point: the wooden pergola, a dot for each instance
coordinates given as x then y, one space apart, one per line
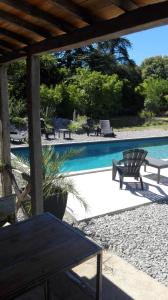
31 27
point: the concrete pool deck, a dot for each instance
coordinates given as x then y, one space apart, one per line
103 195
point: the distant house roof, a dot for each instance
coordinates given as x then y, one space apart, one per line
36 26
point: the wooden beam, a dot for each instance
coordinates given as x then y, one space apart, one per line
7 45
33 82
125 5
20 22
132 21
78 11
5 131
18 37
3 52
40 14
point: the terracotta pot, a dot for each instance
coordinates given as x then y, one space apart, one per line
56 204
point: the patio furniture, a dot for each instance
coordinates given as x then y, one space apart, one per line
36 250
46 130
18 136
89 126
7 209
156 163
106 129
130 165
64 131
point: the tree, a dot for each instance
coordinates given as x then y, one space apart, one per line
155 92
131 101
118 48
50 98
101 56
50 71
155 67
94 94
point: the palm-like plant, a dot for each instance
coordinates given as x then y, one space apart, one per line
56 185
53 180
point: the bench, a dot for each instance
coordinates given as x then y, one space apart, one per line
156 163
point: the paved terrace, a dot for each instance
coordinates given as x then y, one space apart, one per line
103 195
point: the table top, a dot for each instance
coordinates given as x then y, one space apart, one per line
155 162
33 250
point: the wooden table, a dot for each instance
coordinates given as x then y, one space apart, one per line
156 163
64 132
34 250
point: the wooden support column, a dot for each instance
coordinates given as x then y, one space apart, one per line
33 84
4 130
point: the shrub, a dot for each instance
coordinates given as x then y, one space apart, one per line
146 115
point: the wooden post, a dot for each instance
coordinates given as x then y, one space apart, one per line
4 130
33 84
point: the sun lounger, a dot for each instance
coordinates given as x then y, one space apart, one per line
156 163
106 129
18 136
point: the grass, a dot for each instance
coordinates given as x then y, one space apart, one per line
128 123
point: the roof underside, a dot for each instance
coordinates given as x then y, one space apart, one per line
35 26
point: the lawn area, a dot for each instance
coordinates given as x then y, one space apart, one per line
128 123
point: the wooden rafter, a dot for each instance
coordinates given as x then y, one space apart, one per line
125 5
40 14
2 51
20 22
139 19
76 10
7 45
15 36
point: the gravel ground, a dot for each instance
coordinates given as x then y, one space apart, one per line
140 236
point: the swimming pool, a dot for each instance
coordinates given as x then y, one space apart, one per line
100 154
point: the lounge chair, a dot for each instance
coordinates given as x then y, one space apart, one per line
156 163
18 136
106 129
46 130
130 165
89 126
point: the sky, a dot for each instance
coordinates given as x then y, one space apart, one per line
148 43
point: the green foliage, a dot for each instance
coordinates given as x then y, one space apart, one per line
77 125
146 115
101 56
18 121
94 94
155 92
50 71
155 67
80 79
50 98
53 180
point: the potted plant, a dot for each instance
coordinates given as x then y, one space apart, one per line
56 185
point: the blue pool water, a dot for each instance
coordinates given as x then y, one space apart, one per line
100 154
